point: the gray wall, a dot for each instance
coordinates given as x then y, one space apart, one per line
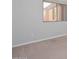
27 22
57 1
65 12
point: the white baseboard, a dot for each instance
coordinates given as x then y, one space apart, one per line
38 40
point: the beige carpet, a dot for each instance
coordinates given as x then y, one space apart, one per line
49 49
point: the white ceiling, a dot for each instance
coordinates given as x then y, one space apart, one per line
57 1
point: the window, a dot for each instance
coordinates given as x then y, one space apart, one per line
53 11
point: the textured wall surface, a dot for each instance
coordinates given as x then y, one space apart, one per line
49 49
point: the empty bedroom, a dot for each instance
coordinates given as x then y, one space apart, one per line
39 29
